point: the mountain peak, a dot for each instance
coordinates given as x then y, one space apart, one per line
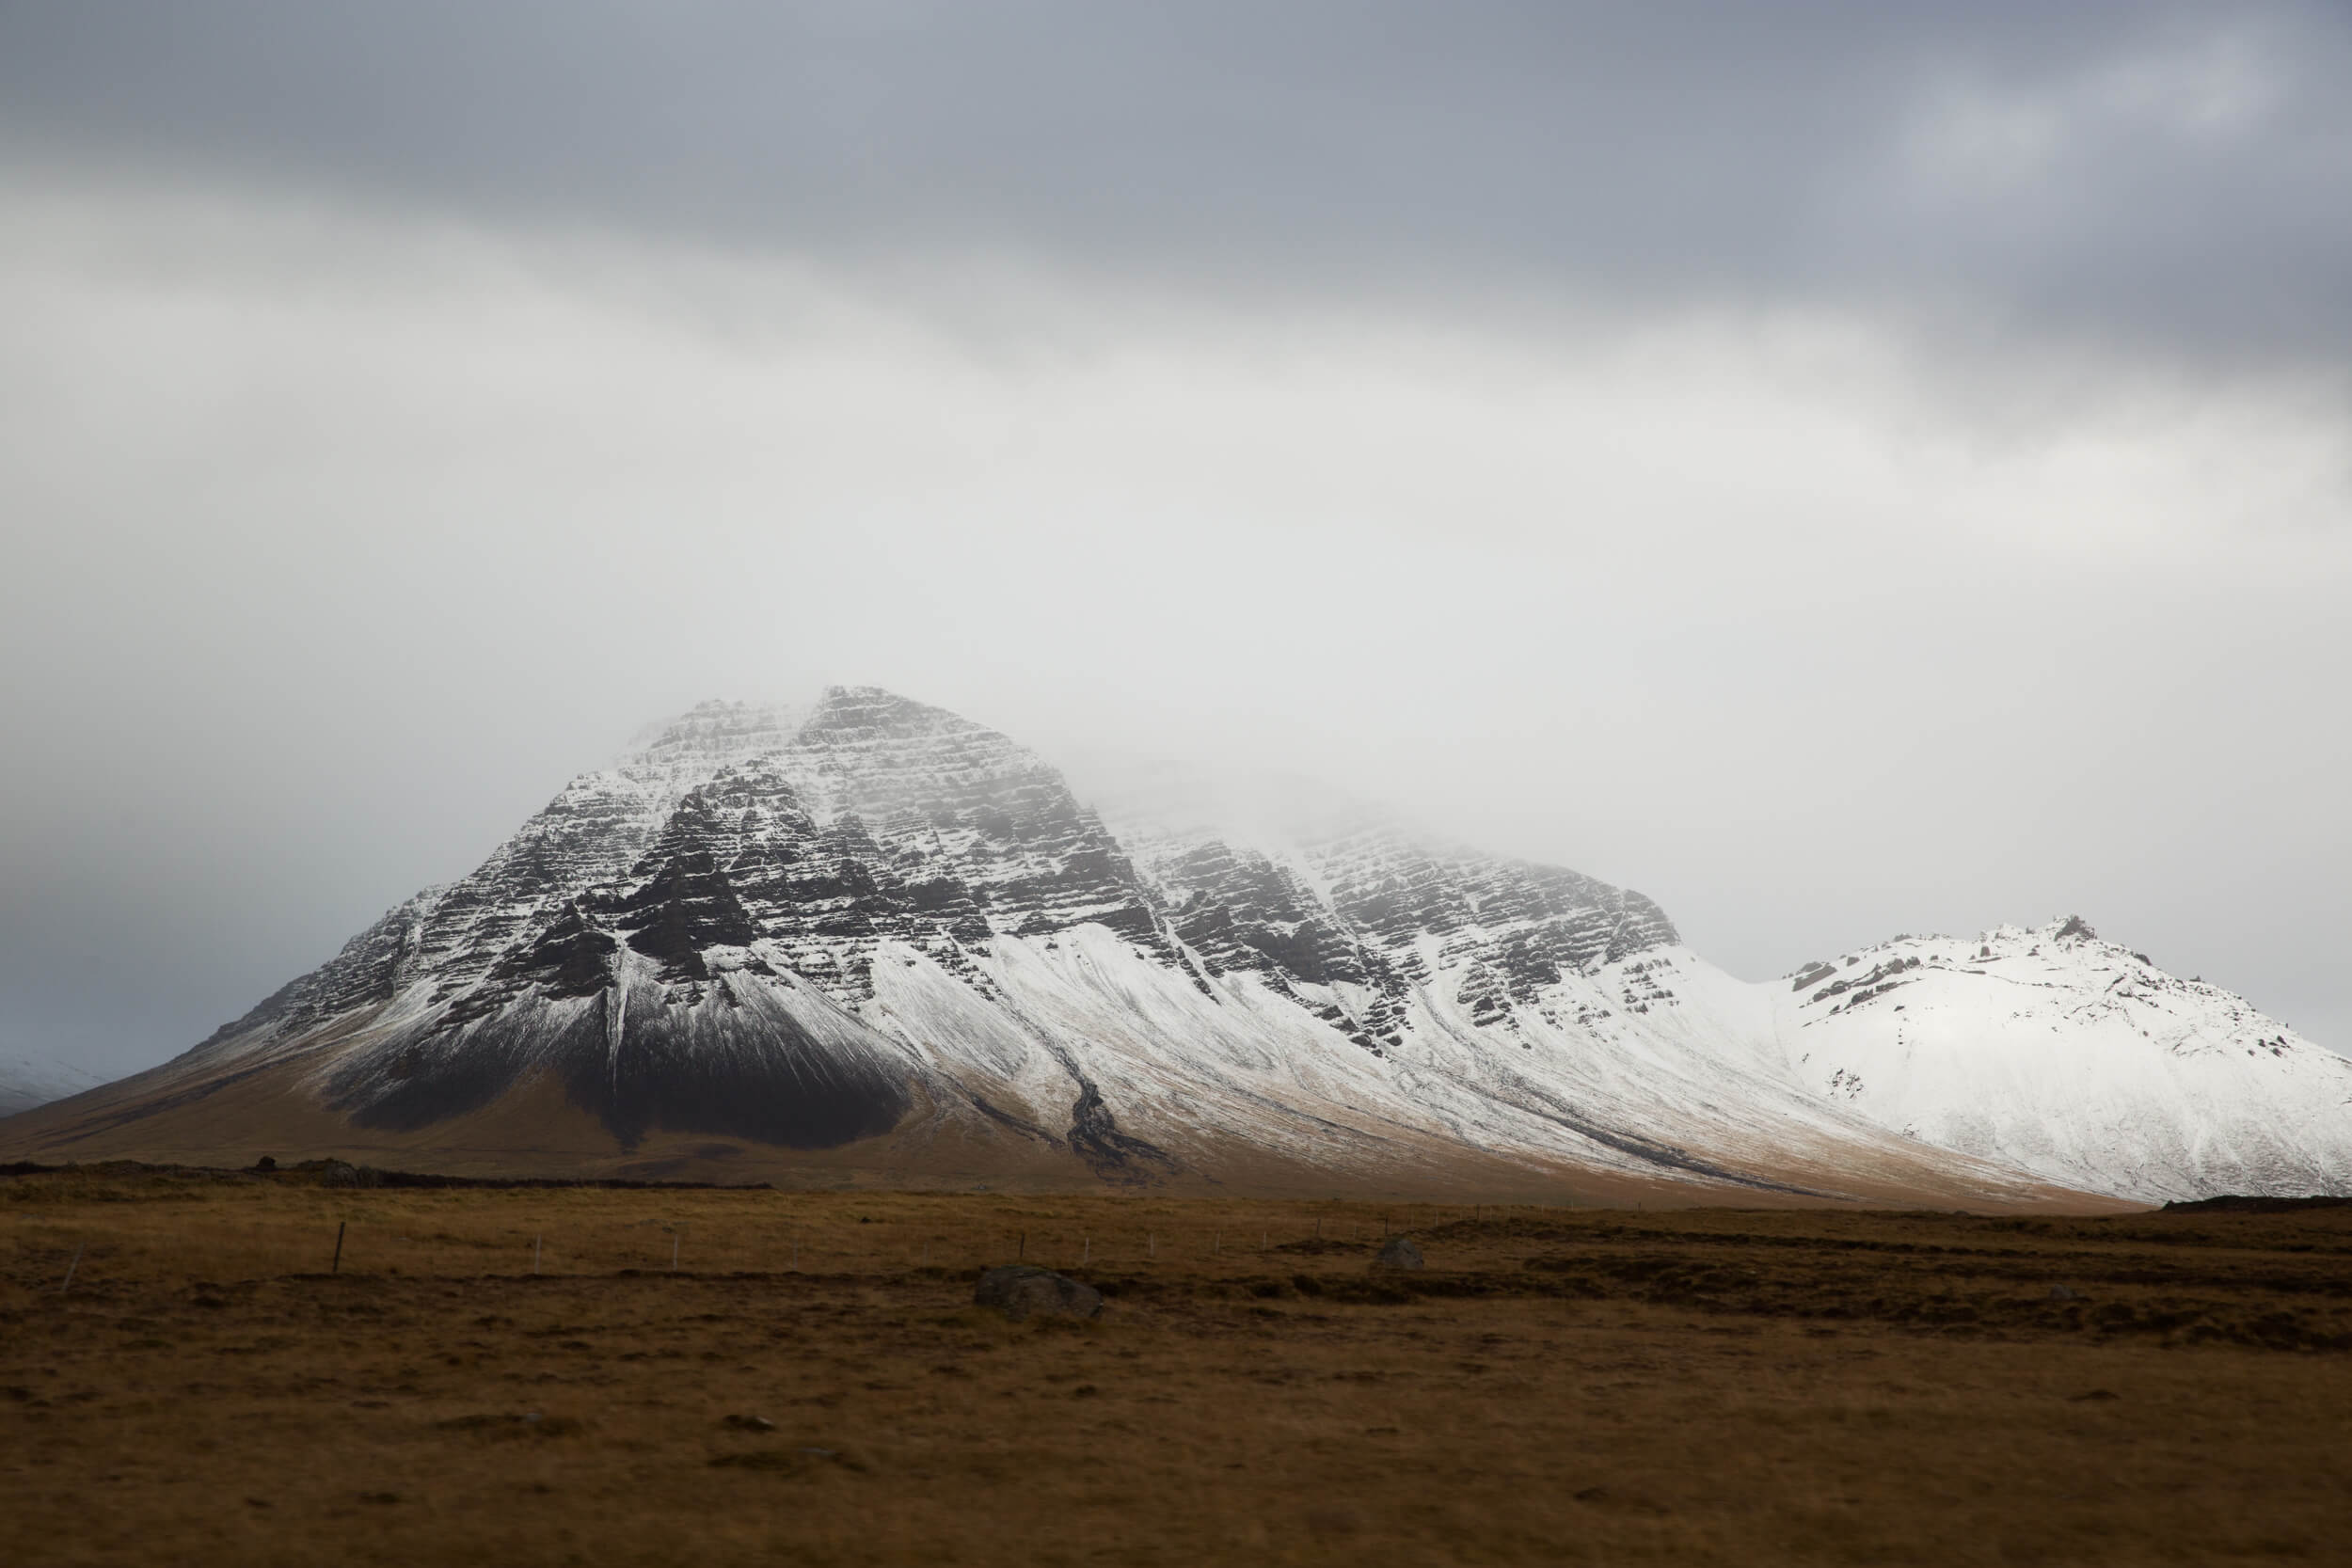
723 730
846 712
717 731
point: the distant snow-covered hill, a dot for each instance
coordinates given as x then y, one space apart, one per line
2074 1059
26 1083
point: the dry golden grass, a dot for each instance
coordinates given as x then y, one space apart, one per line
1588 1386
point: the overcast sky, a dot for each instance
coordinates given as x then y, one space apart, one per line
1840 469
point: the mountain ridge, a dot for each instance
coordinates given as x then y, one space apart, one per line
869 929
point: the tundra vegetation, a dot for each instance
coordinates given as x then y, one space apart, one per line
583 1375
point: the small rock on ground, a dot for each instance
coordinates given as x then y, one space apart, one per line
1019 1289
1398 1253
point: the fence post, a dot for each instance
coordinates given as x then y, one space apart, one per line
337 1266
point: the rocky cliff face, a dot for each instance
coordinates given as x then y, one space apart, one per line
686 937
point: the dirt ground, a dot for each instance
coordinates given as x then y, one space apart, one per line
810 1383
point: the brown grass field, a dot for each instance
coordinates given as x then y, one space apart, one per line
811 1384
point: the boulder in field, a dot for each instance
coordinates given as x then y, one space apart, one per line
1398 1252
1020 1289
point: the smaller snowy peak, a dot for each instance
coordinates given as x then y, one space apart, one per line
2077 1058
2066 955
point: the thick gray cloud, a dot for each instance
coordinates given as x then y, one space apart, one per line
1839 469
2161 176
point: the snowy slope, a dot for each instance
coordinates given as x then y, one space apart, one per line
2074 1059
26 1083
1523 1006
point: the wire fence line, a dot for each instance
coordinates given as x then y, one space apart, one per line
372 1238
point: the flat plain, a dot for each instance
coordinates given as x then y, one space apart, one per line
581 1375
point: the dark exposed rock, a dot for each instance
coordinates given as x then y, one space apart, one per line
571 957
1019 1124
1812 975
687 906
743 1072
708 1065
1114 1155
1021 1291
1398 1252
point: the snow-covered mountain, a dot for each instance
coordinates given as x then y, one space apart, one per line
871 937
26 1083
2075 1059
